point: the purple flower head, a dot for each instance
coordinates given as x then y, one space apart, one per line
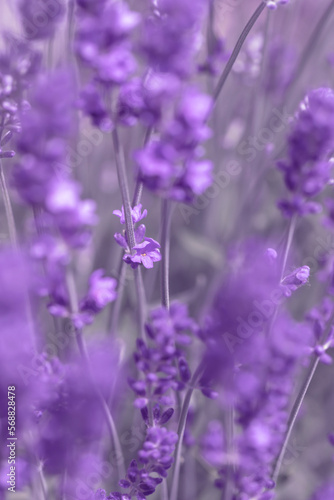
174 324
295 280
136 213
156 457
171 166
18 66
92 104
298 205
40 18
115 67
160 89
145 253
102 291
307 170
42 142
102 42
312 134
73 216
158 447
197 178
131 104
168 38
162 359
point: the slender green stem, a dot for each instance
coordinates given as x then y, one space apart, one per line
237 48
299 401
166 214
8 208
180 431
84 354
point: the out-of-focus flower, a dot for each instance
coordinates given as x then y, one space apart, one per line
307 169
91 103
102 42
168 39
102 291
172 166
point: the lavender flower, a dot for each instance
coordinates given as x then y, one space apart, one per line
156 457
168 36
146 250
171 166
168 332
307 171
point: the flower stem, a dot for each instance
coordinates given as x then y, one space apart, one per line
8 208
180 431
116 310
291 232
141 301
84 354
166 214
139 185
123 184
298 403
230 63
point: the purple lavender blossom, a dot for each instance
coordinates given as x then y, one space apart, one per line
169 333
308 170
156 457
168 36
172 166
146 251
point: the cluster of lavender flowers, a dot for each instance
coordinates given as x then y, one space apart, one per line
166 260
